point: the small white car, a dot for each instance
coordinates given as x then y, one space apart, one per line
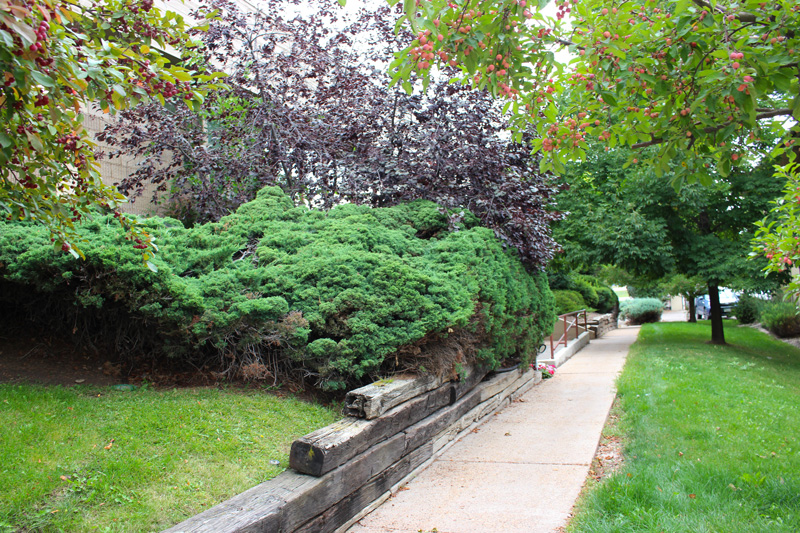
727 299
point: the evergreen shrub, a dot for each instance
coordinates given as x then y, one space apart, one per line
781 318
595 294
588 292
641 310
339 297
607 299
568 301
746 309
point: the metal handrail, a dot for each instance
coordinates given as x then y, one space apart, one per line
570 320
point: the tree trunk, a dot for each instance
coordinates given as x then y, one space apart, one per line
717 333
692 310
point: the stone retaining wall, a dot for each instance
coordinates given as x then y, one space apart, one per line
602 324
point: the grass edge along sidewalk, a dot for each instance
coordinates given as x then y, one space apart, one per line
712 436
98 459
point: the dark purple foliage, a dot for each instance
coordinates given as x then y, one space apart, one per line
306 110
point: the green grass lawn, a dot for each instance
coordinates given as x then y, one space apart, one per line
621 292
99 459
711 436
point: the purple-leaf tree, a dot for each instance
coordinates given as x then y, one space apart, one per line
308 108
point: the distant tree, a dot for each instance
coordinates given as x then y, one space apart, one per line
698 231
310 111
688 287
58 59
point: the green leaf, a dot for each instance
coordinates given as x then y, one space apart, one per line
5 140
399 24
43 79
114 73
7 38
724 167
341 3
796 107
23 30
609 98
471 62
410 7
181 75
35 141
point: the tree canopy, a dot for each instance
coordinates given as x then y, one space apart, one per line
314 115
697 78
59 58
652 230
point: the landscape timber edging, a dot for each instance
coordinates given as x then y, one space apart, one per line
294 501
327 448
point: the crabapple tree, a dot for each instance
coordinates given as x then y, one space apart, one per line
702 82
699 78
59 57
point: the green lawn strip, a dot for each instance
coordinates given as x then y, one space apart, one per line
172 453
711 436
621 292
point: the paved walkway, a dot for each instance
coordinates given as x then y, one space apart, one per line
523 469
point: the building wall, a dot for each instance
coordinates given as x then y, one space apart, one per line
115 170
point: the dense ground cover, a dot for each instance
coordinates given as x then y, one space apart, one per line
335 298
100 459
712 436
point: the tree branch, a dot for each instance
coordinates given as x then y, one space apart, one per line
711 129
741 17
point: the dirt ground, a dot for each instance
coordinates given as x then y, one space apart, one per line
27 356
52 361
48 359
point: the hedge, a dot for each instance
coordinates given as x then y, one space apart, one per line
641 310
594 294
340 297
568 301
781 318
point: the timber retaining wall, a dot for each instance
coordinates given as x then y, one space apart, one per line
396 428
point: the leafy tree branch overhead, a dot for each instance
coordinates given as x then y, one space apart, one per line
690 77
59 58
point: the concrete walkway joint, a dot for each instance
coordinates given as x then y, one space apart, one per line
523 469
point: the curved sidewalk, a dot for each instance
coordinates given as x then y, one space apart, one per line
522 470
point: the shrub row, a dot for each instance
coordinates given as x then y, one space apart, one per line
781 318
778 316
641 310
574 291
339 296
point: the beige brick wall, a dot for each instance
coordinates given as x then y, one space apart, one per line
115 170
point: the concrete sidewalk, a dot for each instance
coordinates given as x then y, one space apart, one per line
523 469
